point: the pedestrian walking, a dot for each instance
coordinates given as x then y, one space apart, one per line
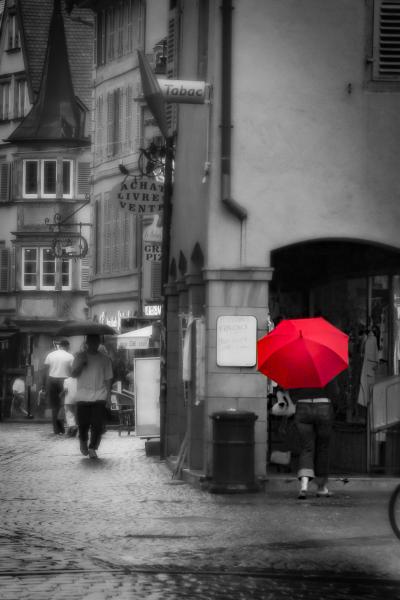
68 396
313 418
18 397
93 371
57 367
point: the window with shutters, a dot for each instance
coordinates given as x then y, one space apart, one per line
118 30
114 122
84 272
4 181
39 270
47 178
155 282
4 268
386 41
115 239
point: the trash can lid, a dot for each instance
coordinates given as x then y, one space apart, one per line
234 415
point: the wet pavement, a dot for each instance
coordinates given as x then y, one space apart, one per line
120 527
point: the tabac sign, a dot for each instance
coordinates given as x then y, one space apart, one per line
187 92
140 195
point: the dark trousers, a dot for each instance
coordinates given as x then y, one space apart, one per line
314 424
91 417
55 386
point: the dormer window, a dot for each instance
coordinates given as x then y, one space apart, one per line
13 37
47 178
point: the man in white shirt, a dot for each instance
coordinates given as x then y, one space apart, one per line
57 366
93 370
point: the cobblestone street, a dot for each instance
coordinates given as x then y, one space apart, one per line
120 527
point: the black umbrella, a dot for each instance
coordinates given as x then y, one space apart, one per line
85 328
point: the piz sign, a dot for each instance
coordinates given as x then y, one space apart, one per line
140 195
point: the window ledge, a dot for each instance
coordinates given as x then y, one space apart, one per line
13 50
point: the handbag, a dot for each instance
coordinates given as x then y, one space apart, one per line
283 406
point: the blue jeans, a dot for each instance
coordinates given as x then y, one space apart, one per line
314 424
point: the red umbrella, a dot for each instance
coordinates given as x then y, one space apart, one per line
303 353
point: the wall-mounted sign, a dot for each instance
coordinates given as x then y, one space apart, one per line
236 341
140 195
152 310
187 92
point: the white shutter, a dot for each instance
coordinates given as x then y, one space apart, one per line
4 269
4 181
83 178
84 279
386 51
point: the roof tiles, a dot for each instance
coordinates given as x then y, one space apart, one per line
79 29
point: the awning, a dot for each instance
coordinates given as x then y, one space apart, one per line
135 340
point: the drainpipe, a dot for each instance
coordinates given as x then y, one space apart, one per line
226 114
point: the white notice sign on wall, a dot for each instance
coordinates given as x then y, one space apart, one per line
236 341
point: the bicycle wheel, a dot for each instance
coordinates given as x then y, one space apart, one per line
394 510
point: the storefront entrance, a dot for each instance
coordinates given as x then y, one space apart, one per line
355 286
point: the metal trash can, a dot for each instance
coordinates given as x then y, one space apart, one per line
233 452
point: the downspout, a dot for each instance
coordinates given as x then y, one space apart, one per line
226 114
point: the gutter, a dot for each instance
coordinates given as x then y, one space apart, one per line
226 114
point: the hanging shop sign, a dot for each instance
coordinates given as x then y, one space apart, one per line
187 92
140 195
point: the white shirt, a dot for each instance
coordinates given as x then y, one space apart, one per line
91 383
59 362
70 388
18 386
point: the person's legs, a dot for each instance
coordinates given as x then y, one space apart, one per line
83 415
96 425
54 389
323 429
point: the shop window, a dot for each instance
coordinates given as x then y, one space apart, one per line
39 270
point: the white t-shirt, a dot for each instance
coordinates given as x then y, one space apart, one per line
91 383
59 362
18 386
70 387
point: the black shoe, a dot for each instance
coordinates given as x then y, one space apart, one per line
83 448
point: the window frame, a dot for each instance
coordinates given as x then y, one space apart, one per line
23 273
40 178
40 273
24 192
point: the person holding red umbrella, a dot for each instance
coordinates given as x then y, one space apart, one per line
303 356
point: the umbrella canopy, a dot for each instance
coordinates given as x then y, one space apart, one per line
303 353
85 328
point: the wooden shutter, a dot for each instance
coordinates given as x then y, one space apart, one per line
386 51
155 282
4 269
4 181
84 279
110 123
83 178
